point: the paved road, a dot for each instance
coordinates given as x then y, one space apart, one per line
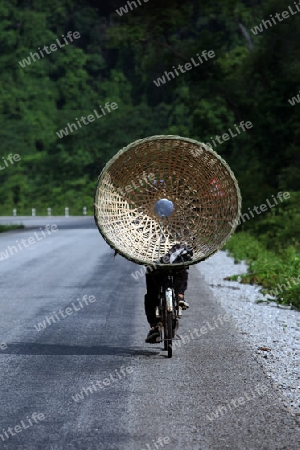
91 377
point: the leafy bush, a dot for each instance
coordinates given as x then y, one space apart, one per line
4 228
267 268
280 227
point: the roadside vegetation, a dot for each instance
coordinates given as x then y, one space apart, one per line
4 228
119 58
271 247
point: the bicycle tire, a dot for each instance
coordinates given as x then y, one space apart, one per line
170 333
165 343
165 332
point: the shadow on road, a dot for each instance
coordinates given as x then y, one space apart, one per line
24 348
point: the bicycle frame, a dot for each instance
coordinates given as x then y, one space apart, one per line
169 311
169 299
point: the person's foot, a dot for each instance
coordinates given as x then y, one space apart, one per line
182 303
153 336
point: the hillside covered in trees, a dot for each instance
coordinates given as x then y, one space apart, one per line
81 79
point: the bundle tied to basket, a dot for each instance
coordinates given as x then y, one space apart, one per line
189 175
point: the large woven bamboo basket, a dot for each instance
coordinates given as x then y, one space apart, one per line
203 189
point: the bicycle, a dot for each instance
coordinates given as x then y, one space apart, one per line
168 312
142 223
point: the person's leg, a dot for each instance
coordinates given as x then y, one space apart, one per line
180 281
153 281
180 286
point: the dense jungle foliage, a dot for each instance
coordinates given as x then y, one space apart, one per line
117 58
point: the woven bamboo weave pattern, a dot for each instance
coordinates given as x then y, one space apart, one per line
199 182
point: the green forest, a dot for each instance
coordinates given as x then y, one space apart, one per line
63 60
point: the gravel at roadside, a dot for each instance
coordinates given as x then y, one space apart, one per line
271 331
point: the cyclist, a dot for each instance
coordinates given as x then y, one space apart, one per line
178 253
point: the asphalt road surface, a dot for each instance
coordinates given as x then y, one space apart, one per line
75 372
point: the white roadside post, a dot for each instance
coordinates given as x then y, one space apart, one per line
14 212
66 212
49 211
33 212
84 210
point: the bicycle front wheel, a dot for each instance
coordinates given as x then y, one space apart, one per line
165 327
169 333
